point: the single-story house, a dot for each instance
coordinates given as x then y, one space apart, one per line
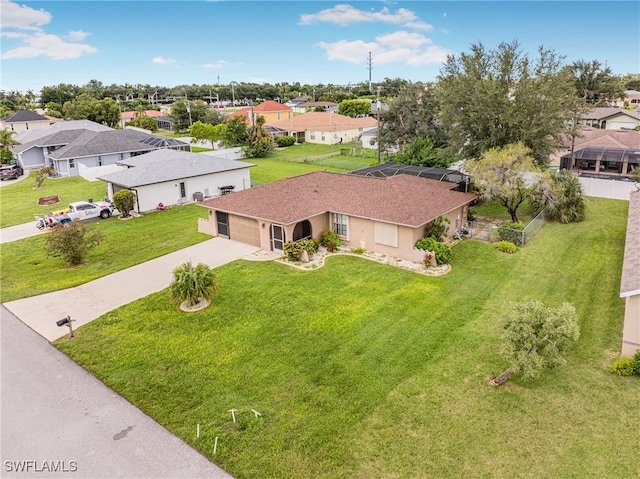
631 97
383 215
611 118
24 120
76 151
271 110
327 106
598 151
173 177
630 283
127 116
326 128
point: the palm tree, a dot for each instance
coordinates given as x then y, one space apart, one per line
6 140
193 285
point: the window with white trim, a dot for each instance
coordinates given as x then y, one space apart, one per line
312 135
340 224
386 234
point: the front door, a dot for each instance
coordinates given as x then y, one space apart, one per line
222 220
277 238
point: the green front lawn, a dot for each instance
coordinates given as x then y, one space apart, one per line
20 200
28 271
361 370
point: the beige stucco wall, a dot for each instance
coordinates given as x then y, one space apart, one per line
21 126
631 329
271 117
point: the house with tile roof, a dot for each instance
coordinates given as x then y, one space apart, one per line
611 118
271 110
326 128
383 215
601 151
173 177
24 120
630 282
83 148
126 116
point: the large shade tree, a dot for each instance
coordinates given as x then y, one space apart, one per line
596 84
411 116
493 98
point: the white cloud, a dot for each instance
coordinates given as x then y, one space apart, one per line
344 15
77 35
35 41
42 44
13 15
397 47
163 61
217 64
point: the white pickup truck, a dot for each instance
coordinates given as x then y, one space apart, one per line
80 210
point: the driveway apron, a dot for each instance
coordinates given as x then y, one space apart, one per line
91 300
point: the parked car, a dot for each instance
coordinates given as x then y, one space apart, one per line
11 172
80 210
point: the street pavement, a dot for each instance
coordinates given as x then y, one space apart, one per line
57 416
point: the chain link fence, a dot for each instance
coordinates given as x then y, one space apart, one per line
493 231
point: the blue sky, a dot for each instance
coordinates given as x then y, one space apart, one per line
170 43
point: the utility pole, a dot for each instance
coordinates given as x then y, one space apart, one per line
378 117
370 66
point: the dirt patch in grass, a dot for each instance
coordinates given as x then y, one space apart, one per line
48 200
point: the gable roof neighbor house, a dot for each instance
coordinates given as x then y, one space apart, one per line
24 120
326 128
271 110
174 177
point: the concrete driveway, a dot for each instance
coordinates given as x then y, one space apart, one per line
91 300
55 414
18 232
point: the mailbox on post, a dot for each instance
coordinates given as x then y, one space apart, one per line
67 322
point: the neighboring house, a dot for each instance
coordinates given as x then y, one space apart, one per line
632 98
24 120
271 110
78 152
369 138
174 177
598 151
611 118
127 116
297 101
326 128
328 106
630 283
383 215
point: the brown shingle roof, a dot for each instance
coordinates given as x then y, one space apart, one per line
322 121
596 137
602 112
402 199
630 283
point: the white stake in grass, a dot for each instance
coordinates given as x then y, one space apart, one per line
215 445
198 431
256 413
233 414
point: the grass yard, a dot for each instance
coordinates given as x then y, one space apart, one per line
20 200
28 271
268 169
361 370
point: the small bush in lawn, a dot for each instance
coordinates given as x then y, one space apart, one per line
442 251
511 232
358 251
438 228
329 239
623 367
283 141
72 242
506 247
